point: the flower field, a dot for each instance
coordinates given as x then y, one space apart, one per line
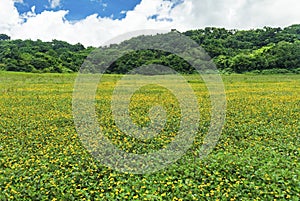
256 158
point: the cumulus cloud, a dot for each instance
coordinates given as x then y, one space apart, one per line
9 16
241 14
54 3
92 30
149 14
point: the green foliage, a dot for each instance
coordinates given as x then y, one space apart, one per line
4 37
38 56
275 71
256 158
239 50
244 51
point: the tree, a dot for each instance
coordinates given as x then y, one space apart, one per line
4 37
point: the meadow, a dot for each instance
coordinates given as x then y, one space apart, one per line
256 158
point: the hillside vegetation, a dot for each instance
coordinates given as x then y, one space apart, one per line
267 50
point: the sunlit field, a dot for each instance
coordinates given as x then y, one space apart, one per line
257 156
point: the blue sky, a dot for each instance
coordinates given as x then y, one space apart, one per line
80 9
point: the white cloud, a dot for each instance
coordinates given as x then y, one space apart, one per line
191 14
237 13
18 1
9 16
92 30
54 3
33 9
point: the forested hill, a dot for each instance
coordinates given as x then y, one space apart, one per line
258 50
38 56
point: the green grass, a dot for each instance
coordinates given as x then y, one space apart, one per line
256 158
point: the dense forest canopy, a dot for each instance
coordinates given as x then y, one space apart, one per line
256 50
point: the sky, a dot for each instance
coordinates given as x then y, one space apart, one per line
94 22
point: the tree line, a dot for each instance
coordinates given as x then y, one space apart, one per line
256 50
38 56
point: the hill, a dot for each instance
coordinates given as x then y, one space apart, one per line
257 50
